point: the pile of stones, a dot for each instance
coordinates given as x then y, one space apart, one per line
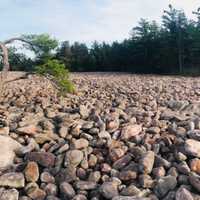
121 137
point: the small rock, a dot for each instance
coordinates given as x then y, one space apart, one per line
24 198
192 147
112 126
116 153
159 172
84 112
63 149
106 168
130 198
85 185
32 172
153 130
183 168
127 175
45 159
171 195
34 192
63 131
195 181
32 145
11 194
52 198
131 190
87 125
80 143
46 177
4 131
81 173
180 156
7 151
183 179
94 176
80 197
13 180
67 191
183 194
28 130
147 162
104 135
122 162
161 162
92 160
74 157
51 189
130 131
108 190
66 175
164 185
42 138
146 181
195 165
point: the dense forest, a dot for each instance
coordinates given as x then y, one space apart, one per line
170 47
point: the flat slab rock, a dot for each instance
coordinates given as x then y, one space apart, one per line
7 151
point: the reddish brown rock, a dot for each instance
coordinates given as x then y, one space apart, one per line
32 172
44 159
28 130
195 165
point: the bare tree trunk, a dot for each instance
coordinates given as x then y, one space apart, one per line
6 65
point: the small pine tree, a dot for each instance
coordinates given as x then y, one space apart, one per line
57 72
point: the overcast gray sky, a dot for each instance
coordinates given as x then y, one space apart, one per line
82 20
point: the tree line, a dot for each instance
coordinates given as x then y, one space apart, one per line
170 47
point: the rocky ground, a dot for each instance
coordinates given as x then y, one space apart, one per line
121 137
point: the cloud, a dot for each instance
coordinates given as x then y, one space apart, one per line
82 20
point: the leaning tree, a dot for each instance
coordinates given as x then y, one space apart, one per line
41 45
4 48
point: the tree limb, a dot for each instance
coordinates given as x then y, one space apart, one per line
6 65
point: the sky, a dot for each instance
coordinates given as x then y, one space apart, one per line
82 20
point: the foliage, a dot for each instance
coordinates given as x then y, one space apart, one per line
42 45
172 47
19 61
57 72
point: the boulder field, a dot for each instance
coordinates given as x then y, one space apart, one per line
120 137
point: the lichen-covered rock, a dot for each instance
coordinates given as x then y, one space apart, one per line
13 180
